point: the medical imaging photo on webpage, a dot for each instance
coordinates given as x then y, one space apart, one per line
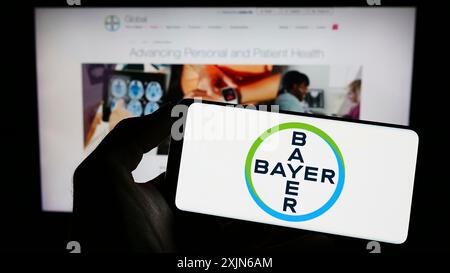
112 92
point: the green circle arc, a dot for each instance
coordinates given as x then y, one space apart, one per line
327 139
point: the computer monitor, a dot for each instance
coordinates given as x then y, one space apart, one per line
96 66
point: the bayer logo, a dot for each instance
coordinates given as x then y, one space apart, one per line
112 23
301 179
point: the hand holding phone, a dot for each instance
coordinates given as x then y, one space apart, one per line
321 174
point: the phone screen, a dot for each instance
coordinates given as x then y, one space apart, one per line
298 171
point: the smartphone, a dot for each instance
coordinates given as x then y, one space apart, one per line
301 171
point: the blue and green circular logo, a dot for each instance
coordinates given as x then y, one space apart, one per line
112 23
319 185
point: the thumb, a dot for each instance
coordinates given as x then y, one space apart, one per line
133 137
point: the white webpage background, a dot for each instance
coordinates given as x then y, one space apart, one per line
375 202
379 39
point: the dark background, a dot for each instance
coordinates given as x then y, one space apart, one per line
25 228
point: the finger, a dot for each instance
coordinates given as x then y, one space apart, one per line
216 91
196 93
154 128
133 137
206 85
229 81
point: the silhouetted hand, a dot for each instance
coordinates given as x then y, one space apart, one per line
111 211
